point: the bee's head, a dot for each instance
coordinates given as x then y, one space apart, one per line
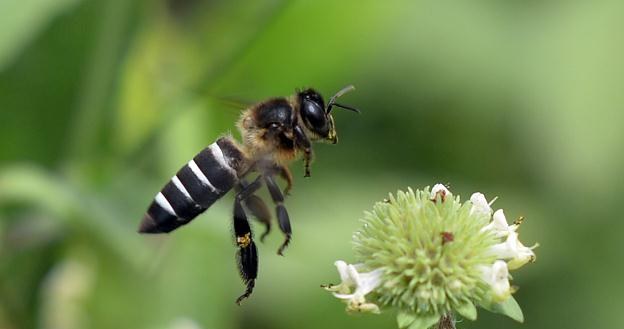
316 117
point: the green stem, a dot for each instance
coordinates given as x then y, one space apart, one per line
94 96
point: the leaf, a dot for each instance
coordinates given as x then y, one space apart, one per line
33 185
22 21
467 310
509 308
404 319
424 321
71 205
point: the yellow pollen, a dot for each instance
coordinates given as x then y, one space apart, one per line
243 241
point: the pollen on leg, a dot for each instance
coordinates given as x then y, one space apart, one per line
243 241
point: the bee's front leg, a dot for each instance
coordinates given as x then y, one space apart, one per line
286 175
303 142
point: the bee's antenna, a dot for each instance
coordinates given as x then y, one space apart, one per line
346 107
332 101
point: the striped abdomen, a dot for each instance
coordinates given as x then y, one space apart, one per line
201 182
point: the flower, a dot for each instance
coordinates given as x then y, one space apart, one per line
480 204
497 276
363 283
514 251
428 255
441 190
499 225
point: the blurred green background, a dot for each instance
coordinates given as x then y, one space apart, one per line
102 101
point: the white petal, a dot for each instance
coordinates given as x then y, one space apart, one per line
499 219
513 250
497 276
369 281
480 204
441 189
343 272
364 283
499 225
364 307
346 277
344 296
354 276
524 255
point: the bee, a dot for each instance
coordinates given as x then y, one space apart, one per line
274 133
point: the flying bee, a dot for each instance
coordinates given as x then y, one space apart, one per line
274 133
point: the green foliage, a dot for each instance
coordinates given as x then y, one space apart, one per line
468 310
410 321
23 20
509 308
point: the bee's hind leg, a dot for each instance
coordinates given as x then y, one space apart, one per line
247 254
280 211
261 212
258 209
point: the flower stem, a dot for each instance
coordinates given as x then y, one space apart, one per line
446 322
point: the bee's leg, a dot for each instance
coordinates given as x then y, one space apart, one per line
257 207
247 254
261 212
280 210
304 143
285 174
245 189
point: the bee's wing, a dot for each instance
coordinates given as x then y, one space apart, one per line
232 102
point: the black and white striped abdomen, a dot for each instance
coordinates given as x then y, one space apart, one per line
195 187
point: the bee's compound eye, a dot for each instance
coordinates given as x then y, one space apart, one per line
274 125
313 113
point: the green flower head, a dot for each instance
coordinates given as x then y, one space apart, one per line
428 255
